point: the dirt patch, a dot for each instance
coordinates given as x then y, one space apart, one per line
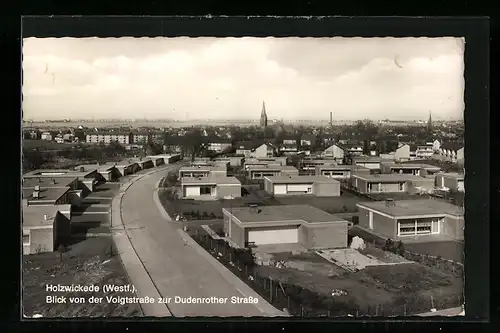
90 262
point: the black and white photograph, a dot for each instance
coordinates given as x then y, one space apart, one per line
243 177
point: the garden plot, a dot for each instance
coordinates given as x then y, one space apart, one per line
353 260
303 261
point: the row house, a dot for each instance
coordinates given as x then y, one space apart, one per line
251 149
106 138
219 144
451 152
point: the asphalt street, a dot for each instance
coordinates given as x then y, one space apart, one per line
176 268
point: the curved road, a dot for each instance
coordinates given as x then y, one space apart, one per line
175 267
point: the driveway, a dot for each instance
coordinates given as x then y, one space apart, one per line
175 267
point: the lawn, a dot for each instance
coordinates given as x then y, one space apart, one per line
211 208
451 250
346 203
86 263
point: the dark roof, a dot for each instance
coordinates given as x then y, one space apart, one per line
247 145
402 208
308 137
306 213
215 139
175 140
452 146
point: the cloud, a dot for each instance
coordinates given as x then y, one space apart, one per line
228 78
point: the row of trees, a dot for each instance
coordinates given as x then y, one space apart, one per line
38 158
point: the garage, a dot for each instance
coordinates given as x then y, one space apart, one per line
274 235
299 188
192 191
279 189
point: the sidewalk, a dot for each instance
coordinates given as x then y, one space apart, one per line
451 312
225 273
137 274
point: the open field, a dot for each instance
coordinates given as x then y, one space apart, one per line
86 263
44 144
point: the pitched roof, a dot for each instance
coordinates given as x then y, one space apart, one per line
248 145
452 146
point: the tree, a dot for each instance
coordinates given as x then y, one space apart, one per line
400 248
61 249
33 159
389 243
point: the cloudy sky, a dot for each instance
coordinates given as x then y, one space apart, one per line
228 78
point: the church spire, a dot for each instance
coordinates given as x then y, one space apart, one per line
263 116
429 122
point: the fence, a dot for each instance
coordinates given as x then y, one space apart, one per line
454 267
299 301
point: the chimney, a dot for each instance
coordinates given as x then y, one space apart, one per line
37 188
389 202
254 208
82 169
45 217
36 194
54 181
331 118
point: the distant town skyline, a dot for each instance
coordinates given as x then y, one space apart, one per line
229 78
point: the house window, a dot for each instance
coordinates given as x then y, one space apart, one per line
418 227
205 190
424 227
406 228
309 189
26 239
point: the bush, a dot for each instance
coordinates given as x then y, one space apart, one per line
212 215
400 248
389 243
204 216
